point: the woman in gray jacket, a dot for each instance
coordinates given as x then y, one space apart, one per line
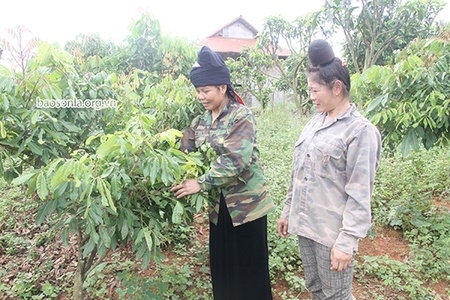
334 164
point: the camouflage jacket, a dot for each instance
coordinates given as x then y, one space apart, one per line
236 172
332 179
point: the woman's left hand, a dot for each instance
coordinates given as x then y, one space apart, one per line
187 187
340 260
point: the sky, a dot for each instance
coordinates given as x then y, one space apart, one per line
60 21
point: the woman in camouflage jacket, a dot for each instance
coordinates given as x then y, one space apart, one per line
238 219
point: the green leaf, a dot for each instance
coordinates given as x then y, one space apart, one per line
91 138
104 235
23 178
88 247
409 142
34 117
41 185
36 149
170 136
102 192
116 187
108 196
2 130
148 239
101 251
108 147
139 237
199 202
107 172
124 229
154 170
177 213
166 176
46 209
376 102
62 174
65 236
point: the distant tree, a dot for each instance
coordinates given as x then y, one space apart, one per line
148 49
91 53
21 46
250 74
277 34
374 29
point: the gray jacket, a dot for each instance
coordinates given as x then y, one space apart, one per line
332 179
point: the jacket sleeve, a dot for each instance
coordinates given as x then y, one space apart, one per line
235 154
188 138
287 201
362 161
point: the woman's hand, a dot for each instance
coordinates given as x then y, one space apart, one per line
340 260
283 227
187 187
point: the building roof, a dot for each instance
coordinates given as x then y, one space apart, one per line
223 44
238 19
230 43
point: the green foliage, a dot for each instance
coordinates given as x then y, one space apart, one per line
20 248
393 274
93 54
250 75
186 278
35 133
121 192
405 198
149 50
410 100
104 175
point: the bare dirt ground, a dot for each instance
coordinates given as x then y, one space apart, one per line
384 241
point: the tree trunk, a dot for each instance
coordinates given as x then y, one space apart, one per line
78 278
78 282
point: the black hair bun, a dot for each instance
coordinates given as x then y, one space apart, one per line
320 53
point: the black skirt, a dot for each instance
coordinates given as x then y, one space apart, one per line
239 258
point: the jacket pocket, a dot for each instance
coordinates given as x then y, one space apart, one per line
330 158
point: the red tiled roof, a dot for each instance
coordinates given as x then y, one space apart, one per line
222 44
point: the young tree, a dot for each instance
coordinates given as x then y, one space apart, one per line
410 100
278 33
374 29
250 73
148 49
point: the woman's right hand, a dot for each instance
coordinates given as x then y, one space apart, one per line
283 227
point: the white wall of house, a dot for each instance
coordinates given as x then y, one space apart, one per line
237 30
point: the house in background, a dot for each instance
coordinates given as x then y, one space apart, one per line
229 42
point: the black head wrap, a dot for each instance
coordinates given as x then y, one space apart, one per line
210 69
320 53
